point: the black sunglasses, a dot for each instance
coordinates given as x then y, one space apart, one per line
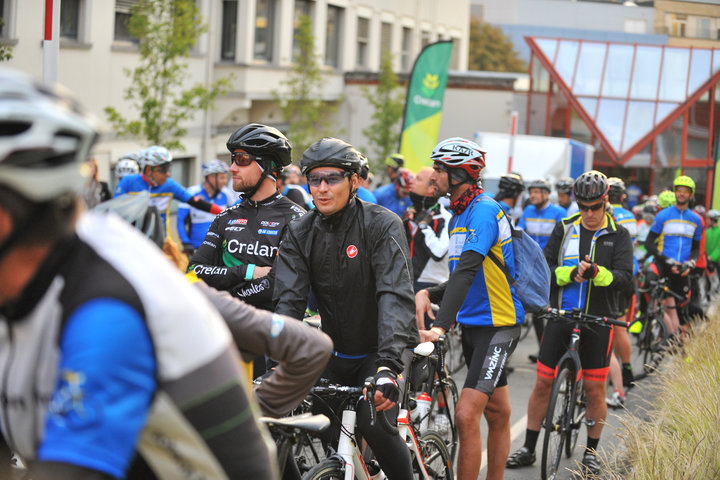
332 178
594 207
243 159
164 168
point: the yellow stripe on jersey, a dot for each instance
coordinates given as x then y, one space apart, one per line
498 290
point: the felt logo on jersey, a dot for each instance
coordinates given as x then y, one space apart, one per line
352 251
238 221
265 231
266 223
234 229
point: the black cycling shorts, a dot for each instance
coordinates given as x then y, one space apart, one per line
595 347
487 350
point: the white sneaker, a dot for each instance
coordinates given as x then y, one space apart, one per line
16 462
616 400
442 423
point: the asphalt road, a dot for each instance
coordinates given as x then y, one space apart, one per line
521 382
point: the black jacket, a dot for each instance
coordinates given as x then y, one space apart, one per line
613 250
358 264
245 234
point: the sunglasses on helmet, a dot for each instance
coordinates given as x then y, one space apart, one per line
243 159
591 208
332 178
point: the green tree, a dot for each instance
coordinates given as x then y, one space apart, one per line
5 50
166 31
388 104
308 116
491 50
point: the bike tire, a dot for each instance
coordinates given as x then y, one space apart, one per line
527 326
578 405
328 469
454 358
556 424
449 435
655 341
435 457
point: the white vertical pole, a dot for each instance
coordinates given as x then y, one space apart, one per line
51 43
513 130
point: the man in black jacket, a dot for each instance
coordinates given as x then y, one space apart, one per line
591 261
355 257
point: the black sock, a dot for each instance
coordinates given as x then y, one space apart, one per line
592 443
627 366
531 438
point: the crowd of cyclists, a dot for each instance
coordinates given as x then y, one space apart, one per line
116 364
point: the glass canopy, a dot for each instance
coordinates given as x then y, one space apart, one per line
627 93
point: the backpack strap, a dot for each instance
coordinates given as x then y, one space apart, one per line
514 234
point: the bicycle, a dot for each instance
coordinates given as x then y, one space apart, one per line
428 452
429 376
566 408
292 432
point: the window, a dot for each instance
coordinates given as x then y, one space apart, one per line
363 34
70 19
385 38
302 7
424 38
229 30
264 30
3 16
122 17
332 38
405 54
703 28
678 24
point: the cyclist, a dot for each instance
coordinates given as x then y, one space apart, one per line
355 257
426 227
113 351
621 342
293 191
365 180
712 239
666 198
677 230
538 220
127 165
479 297
564 195
590 258
242 242
396 196
212 190
510 187
155 178
393 163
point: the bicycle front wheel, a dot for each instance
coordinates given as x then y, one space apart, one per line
435 457
578 404
454 358
655 341
557 423
328 469
442 419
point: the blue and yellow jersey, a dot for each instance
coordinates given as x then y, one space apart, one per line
160 196
491 300
676 230
200 221
539 224
626 218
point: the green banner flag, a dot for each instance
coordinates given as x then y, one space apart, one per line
424 103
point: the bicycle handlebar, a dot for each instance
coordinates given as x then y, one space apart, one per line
577 315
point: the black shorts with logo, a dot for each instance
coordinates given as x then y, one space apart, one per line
487 350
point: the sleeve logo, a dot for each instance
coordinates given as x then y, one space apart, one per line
352 251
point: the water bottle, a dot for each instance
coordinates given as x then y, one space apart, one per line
423 409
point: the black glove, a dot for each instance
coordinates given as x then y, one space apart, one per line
423 216
591 271
573 272
386 383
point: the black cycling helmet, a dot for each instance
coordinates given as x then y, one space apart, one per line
616 189
511 183
540 183
590 186
565 185
332 152
265 142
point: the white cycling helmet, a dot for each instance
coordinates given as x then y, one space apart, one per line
457 152
127 165
714 215
154 156
214 166
45 137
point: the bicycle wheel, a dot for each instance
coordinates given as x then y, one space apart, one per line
527 326
578 405
435 457
556 424
442 416
308 452
655 341
454 358
330 468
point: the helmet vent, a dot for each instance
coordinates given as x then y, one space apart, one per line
9 129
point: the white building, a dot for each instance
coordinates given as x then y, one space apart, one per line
252 39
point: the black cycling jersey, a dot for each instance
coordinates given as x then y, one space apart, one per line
245 235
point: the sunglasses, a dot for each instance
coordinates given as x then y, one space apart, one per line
243 159
332 178
591 208
162 168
